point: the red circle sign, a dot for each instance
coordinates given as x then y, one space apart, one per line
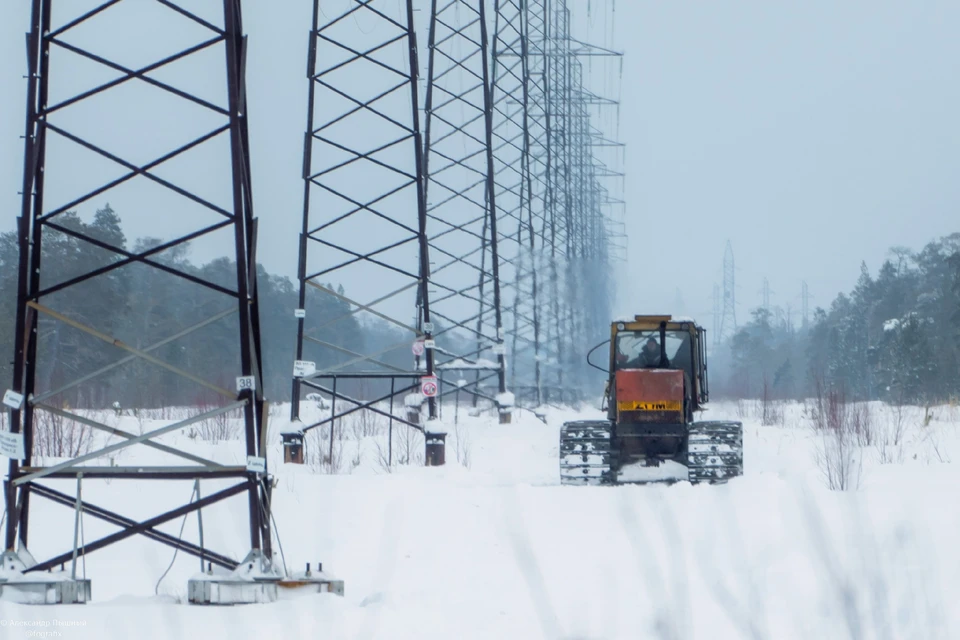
428 387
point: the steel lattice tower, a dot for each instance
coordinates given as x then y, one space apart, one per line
558 196
112 131
464 232
716 315
519 207
364 219
543 166
579 229
728 321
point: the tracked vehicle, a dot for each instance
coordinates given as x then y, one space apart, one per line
657 382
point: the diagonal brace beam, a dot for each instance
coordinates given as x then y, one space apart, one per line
132 441
141 527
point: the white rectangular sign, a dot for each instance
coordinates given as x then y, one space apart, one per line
257 465
246 383
299 313
11 445
13 399
303 368
430 344
499 349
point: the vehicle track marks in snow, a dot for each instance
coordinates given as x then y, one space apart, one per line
666 620
394 522
516 531
747 613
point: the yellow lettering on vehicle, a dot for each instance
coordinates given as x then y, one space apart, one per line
634 405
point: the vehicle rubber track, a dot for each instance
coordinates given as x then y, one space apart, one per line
715 451
586 453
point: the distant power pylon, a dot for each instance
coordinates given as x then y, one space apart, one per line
716 314
805 305
766 295
728 320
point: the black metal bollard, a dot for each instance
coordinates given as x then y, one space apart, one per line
435 455
293 448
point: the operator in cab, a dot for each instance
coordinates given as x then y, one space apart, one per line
647 358
650 355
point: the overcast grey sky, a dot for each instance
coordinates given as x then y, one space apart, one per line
812 135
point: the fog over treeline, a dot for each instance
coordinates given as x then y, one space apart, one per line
895 337
142 305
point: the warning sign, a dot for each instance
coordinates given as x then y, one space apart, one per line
418 348
11 445
428 386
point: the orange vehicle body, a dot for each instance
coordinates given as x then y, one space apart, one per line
649 395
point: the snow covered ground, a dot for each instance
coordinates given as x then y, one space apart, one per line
490 546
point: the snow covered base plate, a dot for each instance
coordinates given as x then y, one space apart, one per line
317 582
45 591
52 587
253 581
226 591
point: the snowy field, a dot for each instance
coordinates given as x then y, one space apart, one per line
490 546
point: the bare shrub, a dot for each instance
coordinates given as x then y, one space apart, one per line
890 440
952 410
219 428
167 413
357 455
365 424
323 453
771 411
927 415
829 409
396 446
56 437
837 455
409 447
931 438
461 446
383 452
839 459
861 422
